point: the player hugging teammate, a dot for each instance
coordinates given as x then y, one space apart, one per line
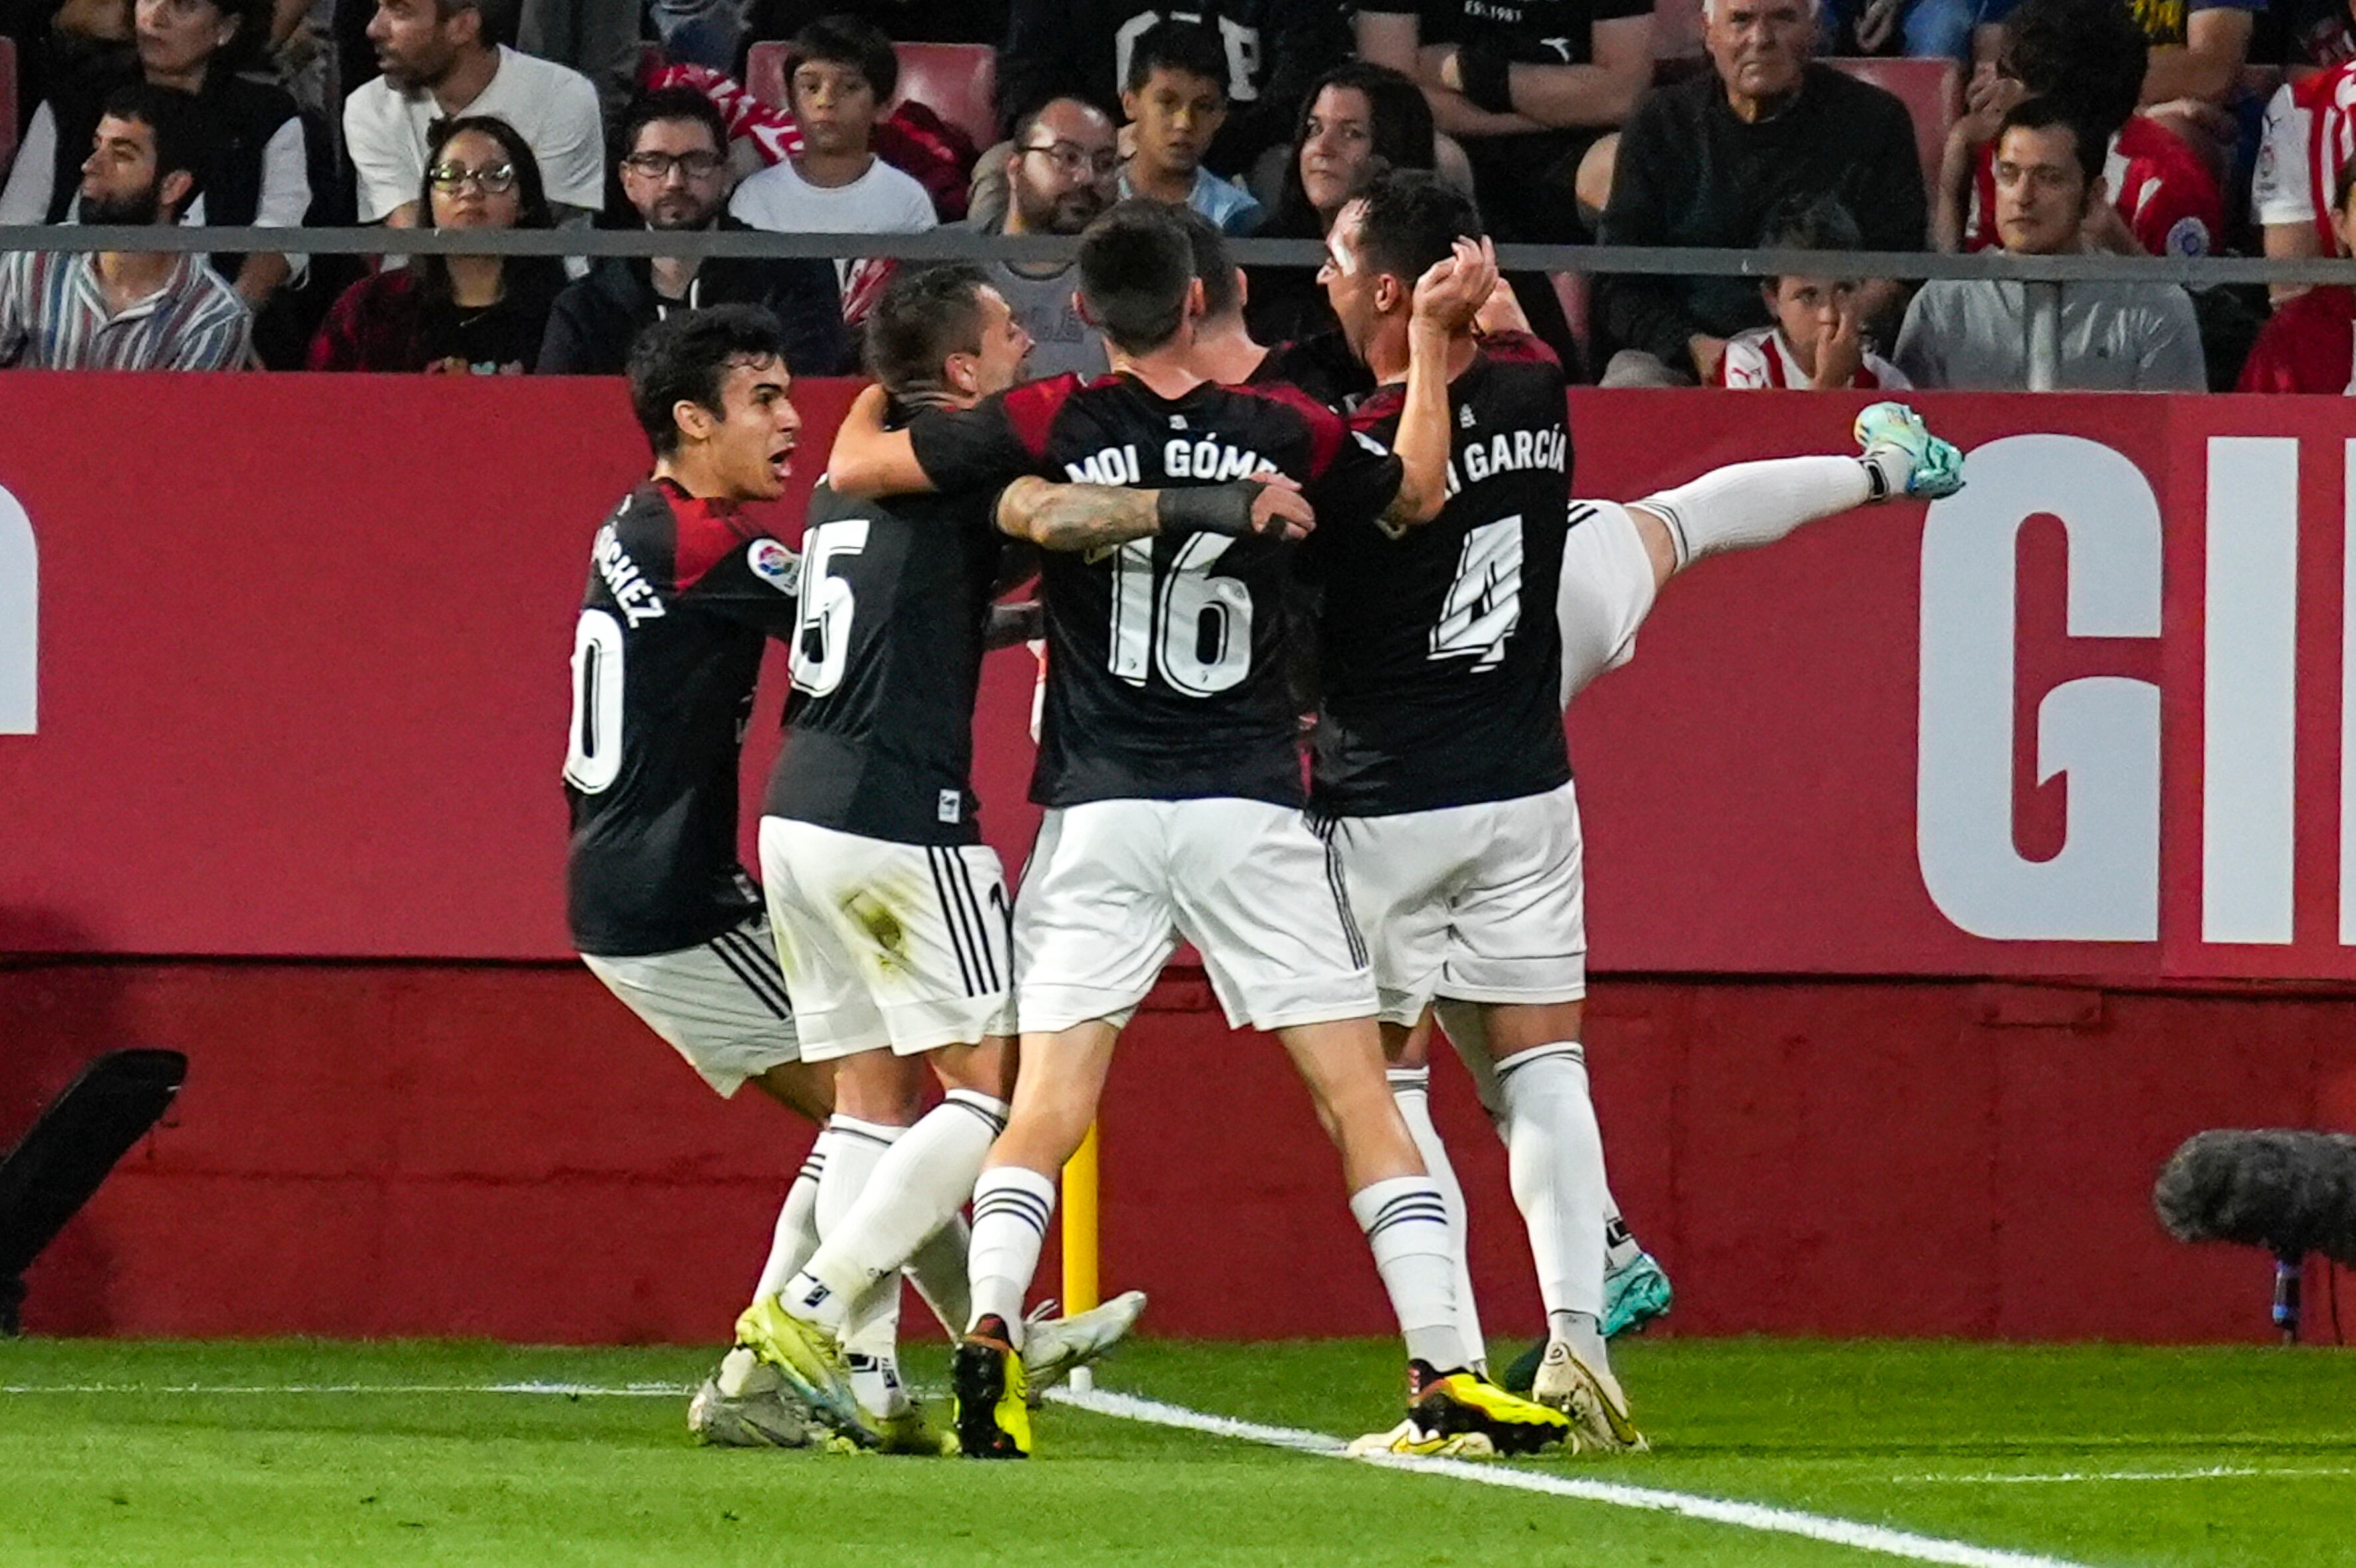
1171 515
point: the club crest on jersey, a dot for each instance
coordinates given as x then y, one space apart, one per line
775 565
633 594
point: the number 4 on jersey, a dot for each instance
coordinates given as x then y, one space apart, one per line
1484 602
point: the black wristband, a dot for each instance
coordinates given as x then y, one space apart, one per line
1207 509
1488 74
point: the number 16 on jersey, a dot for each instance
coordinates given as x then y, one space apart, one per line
1177 617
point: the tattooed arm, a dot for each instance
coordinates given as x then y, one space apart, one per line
1081 518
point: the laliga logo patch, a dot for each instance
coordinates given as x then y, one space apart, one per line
2188 237
775 565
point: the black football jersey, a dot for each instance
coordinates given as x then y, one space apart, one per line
1441 659
886 662
1165 663
683 594
1321 366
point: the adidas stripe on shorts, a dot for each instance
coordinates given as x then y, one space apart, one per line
723 1006
885 944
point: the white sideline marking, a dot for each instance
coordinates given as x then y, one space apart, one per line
2207 1473
1652 1499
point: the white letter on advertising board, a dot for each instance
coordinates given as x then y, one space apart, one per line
2250 703
2103 731
20 602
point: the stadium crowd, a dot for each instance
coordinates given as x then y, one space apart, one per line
2163 127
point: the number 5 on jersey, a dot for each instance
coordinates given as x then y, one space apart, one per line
1195 627
822 634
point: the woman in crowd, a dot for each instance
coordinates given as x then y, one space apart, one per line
1357 120
458 315
256 169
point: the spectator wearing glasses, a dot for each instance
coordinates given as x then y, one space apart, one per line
1061 171
838 75
456 315
1267 54
1176 100
1972 334
127 310
675 173
253 153
447 58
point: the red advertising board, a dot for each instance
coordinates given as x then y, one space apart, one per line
296 684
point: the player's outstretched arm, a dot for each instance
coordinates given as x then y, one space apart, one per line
869 460
1081 518
1446 298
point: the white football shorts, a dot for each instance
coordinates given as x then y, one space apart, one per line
1607 591
1113 886
1484 903
723 1006
887 944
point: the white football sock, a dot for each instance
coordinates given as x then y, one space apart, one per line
1411 1088
921 1180
1555 1151
1406 1222
871 1344
1619 1247
796 1236
1745 505
1011 1206
938 1271
853 1149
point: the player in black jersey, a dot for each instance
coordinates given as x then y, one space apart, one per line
891 914
1441 756
1167 766
684 590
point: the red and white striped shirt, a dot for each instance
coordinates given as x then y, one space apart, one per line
2308 347
2167 198
2311 133
1763 357
54 316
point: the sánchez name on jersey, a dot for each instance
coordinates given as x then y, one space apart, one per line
886 662
1441 654
1166 676
682 596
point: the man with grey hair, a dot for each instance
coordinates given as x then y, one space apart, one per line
1703 163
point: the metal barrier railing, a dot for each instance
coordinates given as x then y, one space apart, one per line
2043 277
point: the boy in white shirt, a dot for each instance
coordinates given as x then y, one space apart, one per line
839 74
1818 341
445 57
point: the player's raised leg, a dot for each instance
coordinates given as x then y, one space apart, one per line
1618 559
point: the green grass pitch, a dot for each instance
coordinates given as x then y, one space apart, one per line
118 1453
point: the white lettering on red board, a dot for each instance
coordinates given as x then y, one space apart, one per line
20 604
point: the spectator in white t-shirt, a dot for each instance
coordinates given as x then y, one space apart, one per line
840 72
447 58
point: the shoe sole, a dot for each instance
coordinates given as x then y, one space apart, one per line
1601 1429
1645 1298
977 1378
